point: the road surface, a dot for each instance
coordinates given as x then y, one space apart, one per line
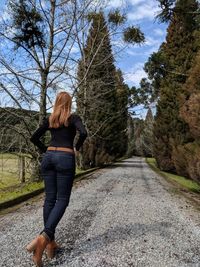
124 215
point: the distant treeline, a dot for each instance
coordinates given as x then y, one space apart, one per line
174 83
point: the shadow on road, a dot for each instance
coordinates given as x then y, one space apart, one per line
118 233
128 164
131 161
125 165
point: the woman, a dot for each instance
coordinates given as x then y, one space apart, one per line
57 169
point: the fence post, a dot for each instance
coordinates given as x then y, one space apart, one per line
22 168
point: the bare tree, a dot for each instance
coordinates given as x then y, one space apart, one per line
41 42
37 61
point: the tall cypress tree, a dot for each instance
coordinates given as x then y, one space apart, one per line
97 96
147 135
186 156
121 124
179 51
102 96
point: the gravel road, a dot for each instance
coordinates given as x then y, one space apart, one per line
124 215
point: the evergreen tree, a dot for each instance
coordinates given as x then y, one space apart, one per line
140 136
102 96
186 156
171 7
147 136
190 107
179 51
121 136
138 127
130 136
96 97
155 67
28 24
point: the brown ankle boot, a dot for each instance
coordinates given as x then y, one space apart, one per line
31 246
42 241
50 249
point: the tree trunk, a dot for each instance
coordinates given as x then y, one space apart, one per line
35 162
43 94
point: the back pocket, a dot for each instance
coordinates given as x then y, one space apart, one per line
65 162
46 163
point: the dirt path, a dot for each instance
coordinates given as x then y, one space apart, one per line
121 216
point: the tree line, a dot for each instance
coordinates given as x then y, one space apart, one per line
173 84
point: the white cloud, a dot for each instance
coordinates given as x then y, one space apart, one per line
152 50
151 45
43 3
144 11
159 32
115 3
120 3
133 52
152 42
135 75
4 16
75 49
136 2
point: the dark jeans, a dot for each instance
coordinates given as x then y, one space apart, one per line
58 171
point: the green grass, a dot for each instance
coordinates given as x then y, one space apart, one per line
79 171
15 191
10 185
20 190
183 181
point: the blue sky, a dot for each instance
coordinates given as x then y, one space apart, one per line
140 13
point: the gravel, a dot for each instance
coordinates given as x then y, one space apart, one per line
124 215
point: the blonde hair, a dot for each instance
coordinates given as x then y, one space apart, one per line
61 110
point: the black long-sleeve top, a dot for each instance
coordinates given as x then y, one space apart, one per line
62 136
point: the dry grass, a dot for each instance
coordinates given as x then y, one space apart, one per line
8 170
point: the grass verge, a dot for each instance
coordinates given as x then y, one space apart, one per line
18 193
179 180
19 190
